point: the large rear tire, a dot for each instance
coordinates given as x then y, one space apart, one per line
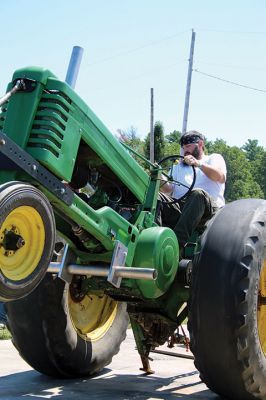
227 310
64 337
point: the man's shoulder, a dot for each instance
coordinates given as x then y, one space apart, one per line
213 158
216 159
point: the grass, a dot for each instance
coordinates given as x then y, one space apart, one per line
4 333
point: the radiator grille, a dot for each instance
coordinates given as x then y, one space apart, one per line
50 122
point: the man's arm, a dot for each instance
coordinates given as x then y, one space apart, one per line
165 187
211 171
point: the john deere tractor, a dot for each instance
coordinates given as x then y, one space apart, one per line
80 251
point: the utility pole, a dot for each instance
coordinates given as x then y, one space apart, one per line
189 75
152 130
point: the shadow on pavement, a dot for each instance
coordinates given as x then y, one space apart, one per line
107 385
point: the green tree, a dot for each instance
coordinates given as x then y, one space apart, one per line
172 145
252 149
240 181
256 156
218 146
159 142
130 138
173 137
258 170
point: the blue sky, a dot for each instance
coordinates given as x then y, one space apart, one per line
132 45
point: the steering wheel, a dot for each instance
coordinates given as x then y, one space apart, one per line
167 163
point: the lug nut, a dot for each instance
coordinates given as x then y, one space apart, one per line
20 243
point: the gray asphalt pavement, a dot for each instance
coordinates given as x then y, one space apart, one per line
174 378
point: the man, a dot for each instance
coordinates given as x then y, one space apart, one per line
187 215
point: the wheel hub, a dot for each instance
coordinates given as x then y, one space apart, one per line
12 241
75 289
92 316
22 239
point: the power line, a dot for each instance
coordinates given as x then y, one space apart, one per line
136 77
124 53
249 67
232 31
227 81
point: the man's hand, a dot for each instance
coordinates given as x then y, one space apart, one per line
190 160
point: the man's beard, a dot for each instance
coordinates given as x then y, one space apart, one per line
195 153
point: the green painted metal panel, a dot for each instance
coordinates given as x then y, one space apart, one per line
103 143
50 122
157 247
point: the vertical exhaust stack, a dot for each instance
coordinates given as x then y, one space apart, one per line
73 66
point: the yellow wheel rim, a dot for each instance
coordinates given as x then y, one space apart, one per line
262 308
27 223
93 316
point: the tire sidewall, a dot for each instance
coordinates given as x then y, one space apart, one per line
60 351
223 303
14 196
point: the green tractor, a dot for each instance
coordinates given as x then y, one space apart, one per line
81 252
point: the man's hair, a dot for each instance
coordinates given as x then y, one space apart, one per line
191 137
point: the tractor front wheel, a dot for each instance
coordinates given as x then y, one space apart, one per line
27 236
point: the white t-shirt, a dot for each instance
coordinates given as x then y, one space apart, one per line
183 173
